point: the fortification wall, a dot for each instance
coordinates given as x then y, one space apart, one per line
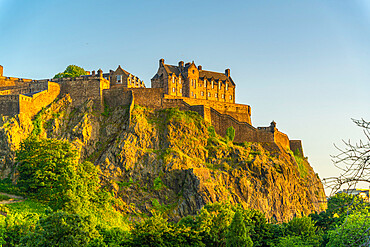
81 89
9 105
13 82
243 131
31 104
296 145
14 91
240 112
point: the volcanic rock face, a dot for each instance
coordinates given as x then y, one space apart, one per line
172 160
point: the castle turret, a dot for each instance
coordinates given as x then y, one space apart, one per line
1 70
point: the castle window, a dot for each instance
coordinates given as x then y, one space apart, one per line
192 82
227 86
219 85
193 71
202 93
230 97
192 94
173 79
195 83
209 94
223 96
213 85
216 95
181 90
205 83
119 78
179 80
173 89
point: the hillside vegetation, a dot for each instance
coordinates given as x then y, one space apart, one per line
172 160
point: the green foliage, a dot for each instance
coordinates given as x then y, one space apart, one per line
71 71
4 197
355 231
211 132
237 234
214 220
49 171
7 186
158 184
230 134
301 165
156 231
61 229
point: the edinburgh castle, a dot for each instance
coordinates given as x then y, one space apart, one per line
186 86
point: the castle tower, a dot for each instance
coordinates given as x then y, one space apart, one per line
1 70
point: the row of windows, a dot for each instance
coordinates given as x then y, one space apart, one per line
209 94
194 83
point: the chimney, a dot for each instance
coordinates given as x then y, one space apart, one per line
227 72
199 67
161 62
1 70
181 64
93 72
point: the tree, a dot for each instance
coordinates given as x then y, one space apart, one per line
49 170
71 71
353 160
238 234
61 229
353 232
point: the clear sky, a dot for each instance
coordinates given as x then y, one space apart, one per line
304 64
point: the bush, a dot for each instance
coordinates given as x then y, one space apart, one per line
230 134
353 232
61 229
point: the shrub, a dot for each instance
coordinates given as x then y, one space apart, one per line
230 134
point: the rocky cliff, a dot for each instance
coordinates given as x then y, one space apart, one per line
172 160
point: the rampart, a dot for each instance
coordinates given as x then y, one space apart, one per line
156 99
82 88
30 103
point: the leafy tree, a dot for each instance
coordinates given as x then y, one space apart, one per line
213 222
355 231
230 134
49 170
61 229
71 71
260 230
156 231
238 234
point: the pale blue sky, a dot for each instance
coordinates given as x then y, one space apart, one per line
304 64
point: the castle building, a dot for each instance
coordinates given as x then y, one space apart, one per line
187 87
193 82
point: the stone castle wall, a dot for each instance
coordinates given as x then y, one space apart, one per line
9 104
156 98
81 89
32 103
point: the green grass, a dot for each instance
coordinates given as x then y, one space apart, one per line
4 197
301 166
7 186
28 206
